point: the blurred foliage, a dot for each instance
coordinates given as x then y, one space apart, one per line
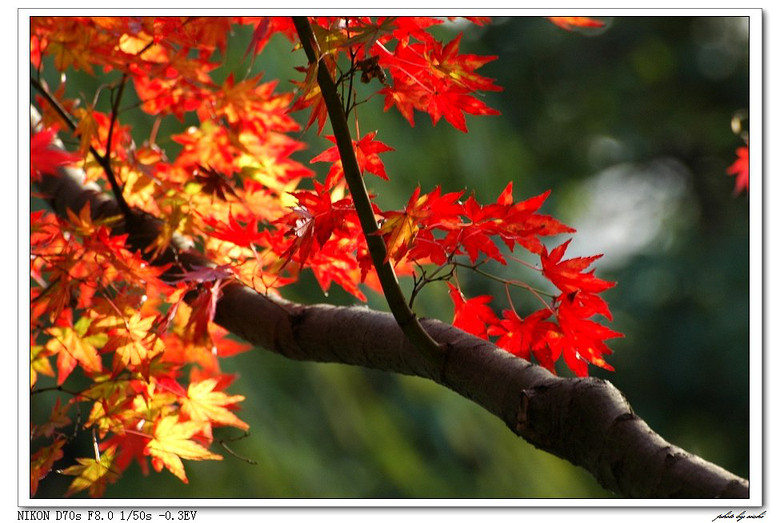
639 91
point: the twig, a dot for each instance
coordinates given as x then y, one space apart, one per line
115 113
223 443
57 388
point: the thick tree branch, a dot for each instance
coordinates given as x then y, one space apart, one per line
585 421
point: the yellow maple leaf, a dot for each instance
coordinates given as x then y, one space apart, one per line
204 404
92 474
173 442
72 345
134 341
108 415
39 363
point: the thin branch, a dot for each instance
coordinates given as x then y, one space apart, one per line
55 388
426 278
352 70
406 319
224 444
103 161
115 113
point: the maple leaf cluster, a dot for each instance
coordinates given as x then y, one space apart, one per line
418 72
105 312
141 333
439 229
96 308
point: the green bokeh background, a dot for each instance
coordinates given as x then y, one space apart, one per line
632 117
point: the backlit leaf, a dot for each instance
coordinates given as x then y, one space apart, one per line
92 474
173 441
205 404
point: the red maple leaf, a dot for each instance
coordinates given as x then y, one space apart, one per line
583 340
265 28
314 219
45 158
521 224
435 79
741 168
367 151
204 306
234 231
452 101
521 336
567 275
479 224
427 247
459 68
472 315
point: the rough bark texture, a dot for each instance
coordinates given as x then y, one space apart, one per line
585 421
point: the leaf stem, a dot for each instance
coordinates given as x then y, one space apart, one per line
515 283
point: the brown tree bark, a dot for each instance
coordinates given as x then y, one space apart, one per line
585 421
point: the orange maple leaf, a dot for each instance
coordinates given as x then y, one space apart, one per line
59 418
309 94
42 461
570 22
173 442
421 214
84 225
87 128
